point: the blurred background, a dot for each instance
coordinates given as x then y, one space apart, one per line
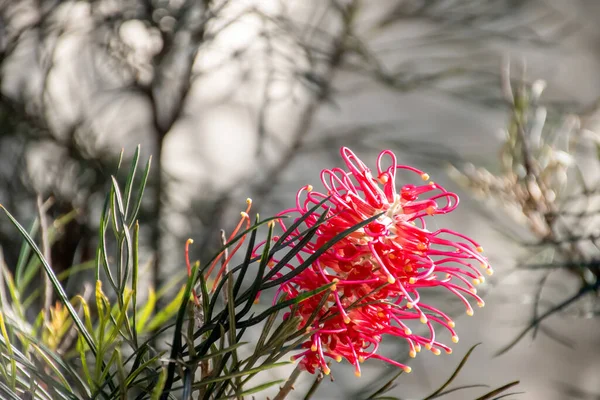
240 98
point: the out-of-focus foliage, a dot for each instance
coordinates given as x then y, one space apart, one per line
548 183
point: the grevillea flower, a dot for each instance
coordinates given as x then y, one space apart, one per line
379 271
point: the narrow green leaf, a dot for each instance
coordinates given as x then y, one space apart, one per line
134 279
146 311
498 391
11 356
239 374
386 387
454 374
131 178
253 390
140 194
55 283
160 385
168 312
24 255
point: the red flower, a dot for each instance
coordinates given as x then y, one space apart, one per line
379 270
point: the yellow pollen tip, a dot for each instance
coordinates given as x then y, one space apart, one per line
479 249
408 268
412 281
407 332
470 312
309 329
333 288
357 373
391 280
451 324
432 183
383 178
190 241
346 320
248 201
480 303
437 352
476 281
422 246
361 359
412 354
418 348
244 214
455 339
409 305
481 279
338 358
473 290
407 369
423 319
428 346
448 351
326 371
425 176
430 210
313 347
309 188
489 271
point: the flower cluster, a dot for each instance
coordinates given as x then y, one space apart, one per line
378 271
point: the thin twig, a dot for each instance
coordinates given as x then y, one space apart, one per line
583 291
289 384
46 252
314 386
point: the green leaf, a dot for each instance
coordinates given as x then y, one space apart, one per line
167 312
389 385
140 194
55 283
254 389
454 374
239 374
11 357
495 392
160 385
131 178
146 311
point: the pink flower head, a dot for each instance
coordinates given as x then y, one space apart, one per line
378 271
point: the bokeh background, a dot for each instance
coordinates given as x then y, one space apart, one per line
241 98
